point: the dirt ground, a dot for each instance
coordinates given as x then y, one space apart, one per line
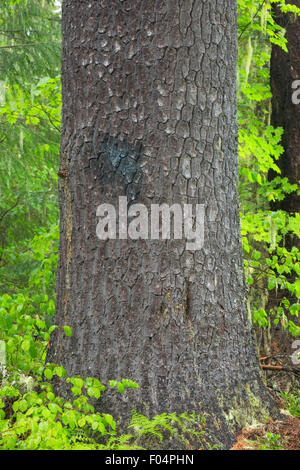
289 430
272 435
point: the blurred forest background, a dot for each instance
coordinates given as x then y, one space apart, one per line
30 112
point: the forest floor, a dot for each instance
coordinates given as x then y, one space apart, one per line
274 435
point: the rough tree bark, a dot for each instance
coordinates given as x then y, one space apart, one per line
149 112
285 69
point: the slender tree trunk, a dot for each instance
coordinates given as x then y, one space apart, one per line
149 113
285 69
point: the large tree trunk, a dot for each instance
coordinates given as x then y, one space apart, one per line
285 69
155 80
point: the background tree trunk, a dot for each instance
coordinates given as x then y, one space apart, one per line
149 112
285 69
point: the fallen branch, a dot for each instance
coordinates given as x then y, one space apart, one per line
272 357
282 368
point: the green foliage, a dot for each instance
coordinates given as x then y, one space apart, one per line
270 442
29 129
292 402
272 270
30 108
33 417
29 39
165 425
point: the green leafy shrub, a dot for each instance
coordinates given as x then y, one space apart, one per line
32 417
292 402
270 442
